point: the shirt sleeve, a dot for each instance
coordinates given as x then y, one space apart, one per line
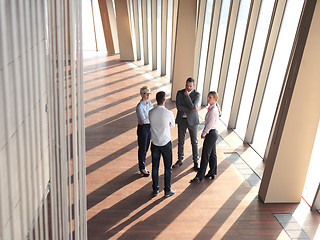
140 114
193 104
171 121
179 99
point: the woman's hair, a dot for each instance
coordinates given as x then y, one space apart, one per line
144 88
214 94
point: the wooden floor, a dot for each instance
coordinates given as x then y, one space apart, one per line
120 202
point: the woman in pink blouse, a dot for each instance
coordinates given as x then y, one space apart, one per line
210 136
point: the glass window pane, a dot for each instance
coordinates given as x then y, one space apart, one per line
235 58
258 45
169 40
277 72
140 30
99 28
204 45
149 23
220 44
88 39
159 35
313 177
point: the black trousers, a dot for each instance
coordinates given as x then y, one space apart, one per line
166 152
144 135
209 154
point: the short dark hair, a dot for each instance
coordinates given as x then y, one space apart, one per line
160 97
190 79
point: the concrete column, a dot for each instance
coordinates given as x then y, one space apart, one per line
184 45
124 30
108 20
297 116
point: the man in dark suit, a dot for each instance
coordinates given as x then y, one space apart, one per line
187 102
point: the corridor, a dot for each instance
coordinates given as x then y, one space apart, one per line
120 204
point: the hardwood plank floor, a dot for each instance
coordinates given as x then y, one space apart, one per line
120 202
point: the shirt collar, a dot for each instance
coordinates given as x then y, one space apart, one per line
144 102
212 106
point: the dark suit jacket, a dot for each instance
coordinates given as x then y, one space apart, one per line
185 104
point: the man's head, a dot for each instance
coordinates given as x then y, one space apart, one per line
189 84
161 97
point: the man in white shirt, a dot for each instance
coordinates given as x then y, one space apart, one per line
161 120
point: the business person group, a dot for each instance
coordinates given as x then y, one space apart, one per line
154 125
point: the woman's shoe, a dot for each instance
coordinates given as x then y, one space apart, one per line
145 173
210 176
196 180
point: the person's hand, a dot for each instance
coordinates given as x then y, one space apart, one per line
195 109
186 93
140 123
202 136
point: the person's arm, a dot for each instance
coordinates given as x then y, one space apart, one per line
142 119
209 123
193 105
179 100
171 120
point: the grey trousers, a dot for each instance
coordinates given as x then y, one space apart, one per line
193 131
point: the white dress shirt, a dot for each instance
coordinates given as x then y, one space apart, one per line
211 119
161 120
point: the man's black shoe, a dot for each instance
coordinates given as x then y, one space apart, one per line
170 193
155 193
210 176
196 166
177 164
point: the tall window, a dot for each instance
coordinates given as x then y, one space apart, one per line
313 177
254 65
277 72
149 31
140 27
169 38
220 44
235 58
93 36
204 45
159 34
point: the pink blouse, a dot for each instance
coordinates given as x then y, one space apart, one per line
211 119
